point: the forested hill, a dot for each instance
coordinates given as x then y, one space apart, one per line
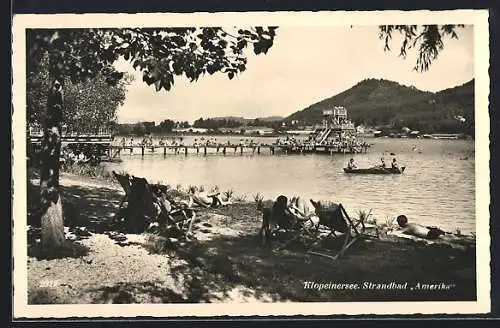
377 102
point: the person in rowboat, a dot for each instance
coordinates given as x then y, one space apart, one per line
351 165
382 164
394 164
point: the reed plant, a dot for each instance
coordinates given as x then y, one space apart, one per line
240 198
229 194
258 197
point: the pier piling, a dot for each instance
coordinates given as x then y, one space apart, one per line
164 151
142 151
224 151
205 150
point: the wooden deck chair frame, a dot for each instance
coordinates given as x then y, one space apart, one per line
354 231
299 229
174 211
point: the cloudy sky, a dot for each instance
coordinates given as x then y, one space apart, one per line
305 65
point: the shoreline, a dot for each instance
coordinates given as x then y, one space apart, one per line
226 262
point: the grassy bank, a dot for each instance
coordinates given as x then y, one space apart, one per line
226 262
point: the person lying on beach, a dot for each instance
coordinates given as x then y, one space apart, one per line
418 230
205 199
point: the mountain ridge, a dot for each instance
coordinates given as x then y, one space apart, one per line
381 102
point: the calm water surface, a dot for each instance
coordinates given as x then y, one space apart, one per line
437 188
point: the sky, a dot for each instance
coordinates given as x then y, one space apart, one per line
304 66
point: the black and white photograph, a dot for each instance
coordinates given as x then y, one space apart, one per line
255 164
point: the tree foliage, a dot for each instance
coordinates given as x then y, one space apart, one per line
159 53
428 40
82 54
88 105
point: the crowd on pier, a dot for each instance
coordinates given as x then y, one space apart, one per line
340 143
179 141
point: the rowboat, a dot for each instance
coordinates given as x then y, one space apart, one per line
376 170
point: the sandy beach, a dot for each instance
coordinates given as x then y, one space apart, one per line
226 263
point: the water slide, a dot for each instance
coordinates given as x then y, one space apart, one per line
324 135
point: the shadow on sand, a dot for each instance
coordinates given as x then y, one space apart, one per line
211 270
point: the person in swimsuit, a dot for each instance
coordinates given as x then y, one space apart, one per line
205 199
418 230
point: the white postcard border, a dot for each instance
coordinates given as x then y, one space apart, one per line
478 18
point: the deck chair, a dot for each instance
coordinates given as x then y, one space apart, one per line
157 207
125 181
335 218
179 213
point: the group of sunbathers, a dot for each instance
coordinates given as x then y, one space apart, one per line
295 213
287 213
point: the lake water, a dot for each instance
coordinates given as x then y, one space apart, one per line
437 187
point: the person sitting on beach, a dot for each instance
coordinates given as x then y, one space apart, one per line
304 212
418 230
283 214
351 165
161 142
394 164
205 199
131 143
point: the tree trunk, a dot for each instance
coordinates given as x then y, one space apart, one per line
51 205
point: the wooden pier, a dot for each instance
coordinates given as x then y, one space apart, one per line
113 150
118 151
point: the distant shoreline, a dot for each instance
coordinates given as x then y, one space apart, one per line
442 136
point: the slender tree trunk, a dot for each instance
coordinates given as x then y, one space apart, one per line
51 205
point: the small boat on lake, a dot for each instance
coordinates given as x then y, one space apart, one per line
376 170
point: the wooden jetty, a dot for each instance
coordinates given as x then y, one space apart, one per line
106 142
225 149
67 137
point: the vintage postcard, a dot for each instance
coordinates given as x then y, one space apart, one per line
251 164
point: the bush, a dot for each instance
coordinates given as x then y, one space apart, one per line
94 171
